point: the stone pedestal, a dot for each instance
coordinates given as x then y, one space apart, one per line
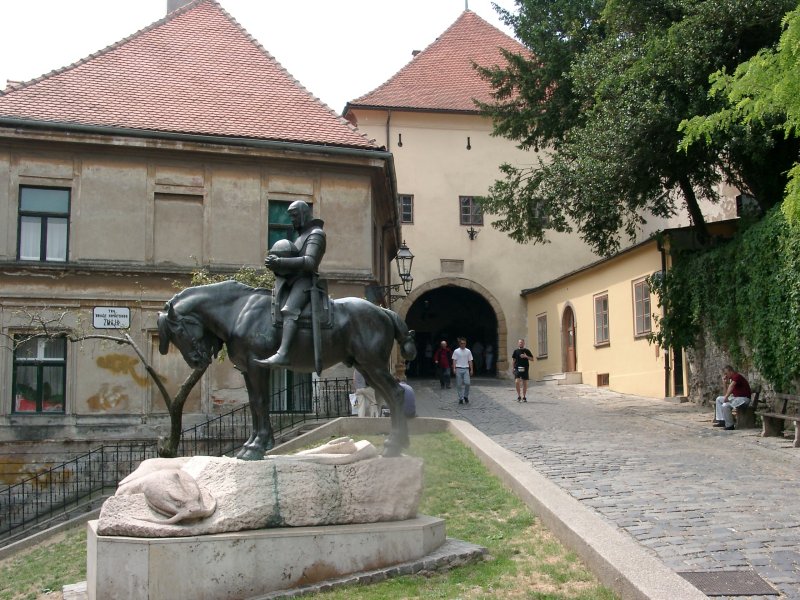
244 564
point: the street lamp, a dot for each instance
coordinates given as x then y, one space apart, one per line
404 259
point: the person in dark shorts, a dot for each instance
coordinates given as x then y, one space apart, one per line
521 358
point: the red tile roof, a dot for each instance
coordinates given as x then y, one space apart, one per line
197 71
442 77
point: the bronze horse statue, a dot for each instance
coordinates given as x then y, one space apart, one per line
199 320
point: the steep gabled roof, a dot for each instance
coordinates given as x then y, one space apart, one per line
442 76
197 72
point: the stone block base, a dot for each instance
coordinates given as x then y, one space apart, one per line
240 565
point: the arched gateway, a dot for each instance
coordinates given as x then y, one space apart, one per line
450 307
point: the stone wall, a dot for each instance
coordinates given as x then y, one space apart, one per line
705 362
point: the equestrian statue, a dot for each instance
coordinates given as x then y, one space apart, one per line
295 326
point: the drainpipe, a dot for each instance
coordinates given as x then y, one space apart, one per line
667 366
388 130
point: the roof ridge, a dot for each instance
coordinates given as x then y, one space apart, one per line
195 71
414 86
168 17
278 63
413 59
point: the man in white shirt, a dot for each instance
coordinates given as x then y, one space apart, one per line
463 369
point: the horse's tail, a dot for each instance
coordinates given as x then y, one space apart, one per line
404 337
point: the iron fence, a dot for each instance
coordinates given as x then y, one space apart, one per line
54 492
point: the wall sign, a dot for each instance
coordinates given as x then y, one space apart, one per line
110 317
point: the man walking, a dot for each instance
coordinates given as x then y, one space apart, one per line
442 360
463 369
521 358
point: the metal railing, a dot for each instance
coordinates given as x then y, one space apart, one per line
52 493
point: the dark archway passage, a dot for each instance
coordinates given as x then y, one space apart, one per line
446 313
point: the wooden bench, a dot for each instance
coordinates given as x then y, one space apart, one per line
746 415
774 422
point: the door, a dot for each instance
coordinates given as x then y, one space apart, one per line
570 359
677 371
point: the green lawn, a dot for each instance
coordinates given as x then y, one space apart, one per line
525 560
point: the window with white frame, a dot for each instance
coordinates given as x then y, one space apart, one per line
601 329
39 378
43 224
541 336
405 206
641 307
471 212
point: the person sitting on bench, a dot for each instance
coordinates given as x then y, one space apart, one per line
736 395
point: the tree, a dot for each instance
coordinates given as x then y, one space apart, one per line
44 323
763 92
48 324
603 90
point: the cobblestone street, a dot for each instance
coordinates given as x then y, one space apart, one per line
699 498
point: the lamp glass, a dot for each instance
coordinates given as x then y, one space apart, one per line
404 259
408 283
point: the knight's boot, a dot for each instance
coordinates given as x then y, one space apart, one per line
281 357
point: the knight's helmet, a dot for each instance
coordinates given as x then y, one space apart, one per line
303 209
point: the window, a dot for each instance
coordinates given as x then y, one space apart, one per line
405 206
641 307
541 335
601 320
470 211
43 224
279 222
39 378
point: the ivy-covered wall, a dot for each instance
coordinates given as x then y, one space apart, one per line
739 299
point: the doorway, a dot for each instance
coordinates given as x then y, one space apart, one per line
569 359
449 312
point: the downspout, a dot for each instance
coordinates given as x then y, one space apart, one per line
388 130
667 365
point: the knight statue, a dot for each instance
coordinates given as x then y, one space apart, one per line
296 272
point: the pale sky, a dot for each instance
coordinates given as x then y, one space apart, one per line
338 49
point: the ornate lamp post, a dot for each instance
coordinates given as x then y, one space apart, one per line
404 259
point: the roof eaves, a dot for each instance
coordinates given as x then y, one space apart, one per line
371 149
409 109
538 288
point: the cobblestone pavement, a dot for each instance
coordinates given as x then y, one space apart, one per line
699 498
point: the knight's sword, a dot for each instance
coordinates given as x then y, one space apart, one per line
316 315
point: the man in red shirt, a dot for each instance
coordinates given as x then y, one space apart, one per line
736 395
442 359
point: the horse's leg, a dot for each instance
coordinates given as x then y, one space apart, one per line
261 439
385 385
253 418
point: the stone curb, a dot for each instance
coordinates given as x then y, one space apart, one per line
617 560
453 553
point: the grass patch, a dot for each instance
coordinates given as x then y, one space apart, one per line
525 561
44 569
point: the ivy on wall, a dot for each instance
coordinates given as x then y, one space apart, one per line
745 293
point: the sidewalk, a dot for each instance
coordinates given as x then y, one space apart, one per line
696 497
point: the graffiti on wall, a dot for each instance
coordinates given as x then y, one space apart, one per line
108 397
122 364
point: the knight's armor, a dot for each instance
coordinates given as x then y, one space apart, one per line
294 276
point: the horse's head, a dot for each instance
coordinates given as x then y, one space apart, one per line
197 345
